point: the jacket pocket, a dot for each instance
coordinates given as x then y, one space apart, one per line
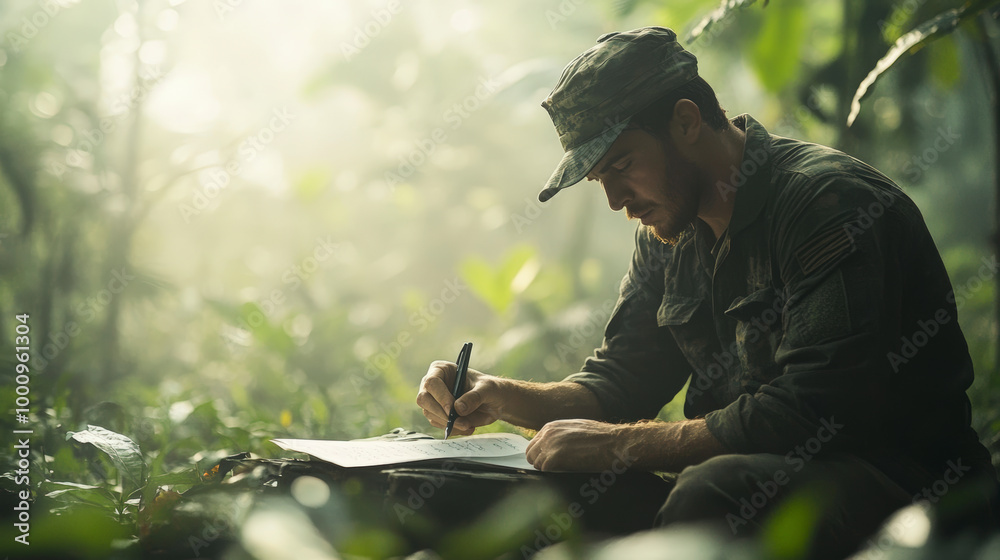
676 310
753 305
757 334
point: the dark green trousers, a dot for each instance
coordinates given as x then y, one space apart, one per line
849 496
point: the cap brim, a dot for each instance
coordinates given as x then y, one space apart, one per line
578 161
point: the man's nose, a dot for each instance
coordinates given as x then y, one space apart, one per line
618 194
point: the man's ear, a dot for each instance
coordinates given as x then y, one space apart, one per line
686 121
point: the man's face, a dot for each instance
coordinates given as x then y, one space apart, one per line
648 177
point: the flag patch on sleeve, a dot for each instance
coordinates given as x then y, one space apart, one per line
825 250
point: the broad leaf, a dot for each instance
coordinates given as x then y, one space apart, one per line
186 476
80 493
776 51
66 485
946 63
938 26
498 286
123 452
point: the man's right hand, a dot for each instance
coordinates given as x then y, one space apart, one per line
479 405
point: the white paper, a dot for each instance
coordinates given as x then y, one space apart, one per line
506 450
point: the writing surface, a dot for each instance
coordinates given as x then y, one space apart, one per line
498 449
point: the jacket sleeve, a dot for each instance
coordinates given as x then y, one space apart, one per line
638 367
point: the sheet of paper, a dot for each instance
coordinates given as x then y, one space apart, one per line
494 449
518 461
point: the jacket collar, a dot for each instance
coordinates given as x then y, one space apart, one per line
750 183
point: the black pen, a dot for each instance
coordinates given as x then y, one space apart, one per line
463 367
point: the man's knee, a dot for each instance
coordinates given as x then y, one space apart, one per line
710 490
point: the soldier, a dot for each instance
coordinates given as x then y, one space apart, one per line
797 288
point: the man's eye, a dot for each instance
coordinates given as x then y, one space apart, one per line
623 166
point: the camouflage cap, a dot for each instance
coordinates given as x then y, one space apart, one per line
602 88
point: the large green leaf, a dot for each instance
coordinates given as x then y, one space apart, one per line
123 452
717 15
776 52
80 493
185 476
946 63
938 26
498 286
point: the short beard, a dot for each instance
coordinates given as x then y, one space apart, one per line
682 219
670 239
688 176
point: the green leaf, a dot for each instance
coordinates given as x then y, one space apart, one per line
268 334
945 63
186 476
938 26
789 530
719 14
71 492
498 287
122 451
69 485
776 52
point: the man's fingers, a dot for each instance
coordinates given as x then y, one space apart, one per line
533 449
469 402
474 420
456 431
435 396
435 420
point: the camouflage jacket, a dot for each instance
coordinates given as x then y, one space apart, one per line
823 311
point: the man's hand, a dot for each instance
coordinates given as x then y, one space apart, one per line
579 445
588 445
478 406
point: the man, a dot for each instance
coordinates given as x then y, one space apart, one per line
796 287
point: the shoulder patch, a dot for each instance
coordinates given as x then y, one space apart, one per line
825 249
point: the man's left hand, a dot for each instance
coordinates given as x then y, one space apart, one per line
579 445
